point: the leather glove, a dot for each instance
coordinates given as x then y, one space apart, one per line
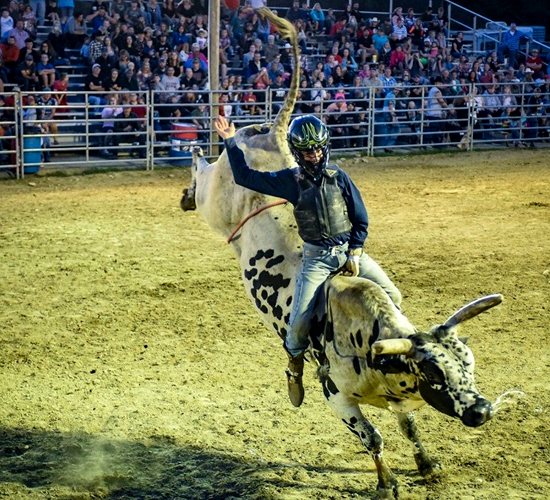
352 264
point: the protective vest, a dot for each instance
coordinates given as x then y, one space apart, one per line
321 211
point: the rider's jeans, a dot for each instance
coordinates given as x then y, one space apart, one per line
317 264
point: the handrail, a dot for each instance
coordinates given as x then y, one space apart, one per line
501 29
469 11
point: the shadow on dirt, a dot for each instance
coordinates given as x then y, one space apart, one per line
86 466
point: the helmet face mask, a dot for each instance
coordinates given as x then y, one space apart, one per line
307 134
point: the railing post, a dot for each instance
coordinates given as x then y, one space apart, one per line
18 139
449 18
474 31
211 115
87 120
522 106
21 139
422 114
471 117
150 137
371 123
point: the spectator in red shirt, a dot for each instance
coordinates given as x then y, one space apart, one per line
337 28
10 56
534 61
397 60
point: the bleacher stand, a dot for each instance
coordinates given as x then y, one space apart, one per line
118 49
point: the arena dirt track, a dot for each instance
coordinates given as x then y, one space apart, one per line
132 365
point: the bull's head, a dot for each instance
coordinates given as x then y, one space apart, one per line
444 365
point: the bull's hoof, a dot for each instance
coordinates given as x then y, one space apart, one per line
427 467
197 151
389 492
187 201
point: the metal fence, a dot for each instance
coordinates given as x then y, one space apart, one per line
151 129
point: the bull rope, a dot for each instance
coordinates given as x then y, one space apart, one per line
249 216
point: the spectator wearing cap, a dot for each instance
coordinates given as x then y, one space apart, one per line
27 75
199 75
197 54
128 79
94 85
286 57
105 62
533 61
163 46
161 67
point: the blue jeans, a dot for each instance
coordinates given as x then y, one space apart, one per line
317 264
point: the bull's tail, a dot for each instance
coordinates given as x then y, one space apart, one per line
287 30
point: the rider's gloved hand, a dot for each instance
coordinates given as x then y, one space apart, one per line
352 264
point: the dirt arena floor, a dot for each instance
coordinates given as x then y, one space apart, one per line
132 365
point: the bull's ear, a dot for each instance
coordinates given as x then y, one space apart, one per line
464 340
393 346
473 309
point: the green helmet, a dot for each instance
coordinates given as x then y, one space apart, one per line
307 133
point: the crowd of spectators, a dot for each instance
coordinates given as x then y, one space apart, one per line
414 65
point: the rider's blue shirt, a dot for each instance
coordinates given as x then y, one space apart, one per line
283 184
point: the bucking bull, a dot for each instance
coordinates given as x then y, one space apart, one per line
367 350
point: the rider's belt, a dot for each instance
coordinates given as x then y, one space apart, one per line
311 250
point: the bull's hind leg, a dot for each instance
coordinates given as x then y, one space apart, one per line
371 438
426 465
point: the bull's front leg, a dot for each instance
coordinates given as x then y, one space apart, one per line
351 415
426 465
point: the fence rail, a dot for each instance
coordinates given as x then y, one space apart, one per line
151 129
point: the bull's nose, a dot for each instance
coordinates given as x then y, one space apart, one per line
478 414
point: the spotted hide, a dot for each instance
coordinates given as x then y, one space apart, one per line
375 356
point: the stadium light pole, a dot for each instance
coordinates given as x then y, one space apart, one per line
214 65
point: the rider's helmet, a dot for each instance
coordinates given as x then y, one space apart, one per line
308 133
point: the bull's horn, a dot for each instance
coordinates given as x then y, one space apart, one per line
473 309
393 346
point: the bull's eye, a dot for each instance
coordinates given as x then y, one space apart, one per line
434 378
